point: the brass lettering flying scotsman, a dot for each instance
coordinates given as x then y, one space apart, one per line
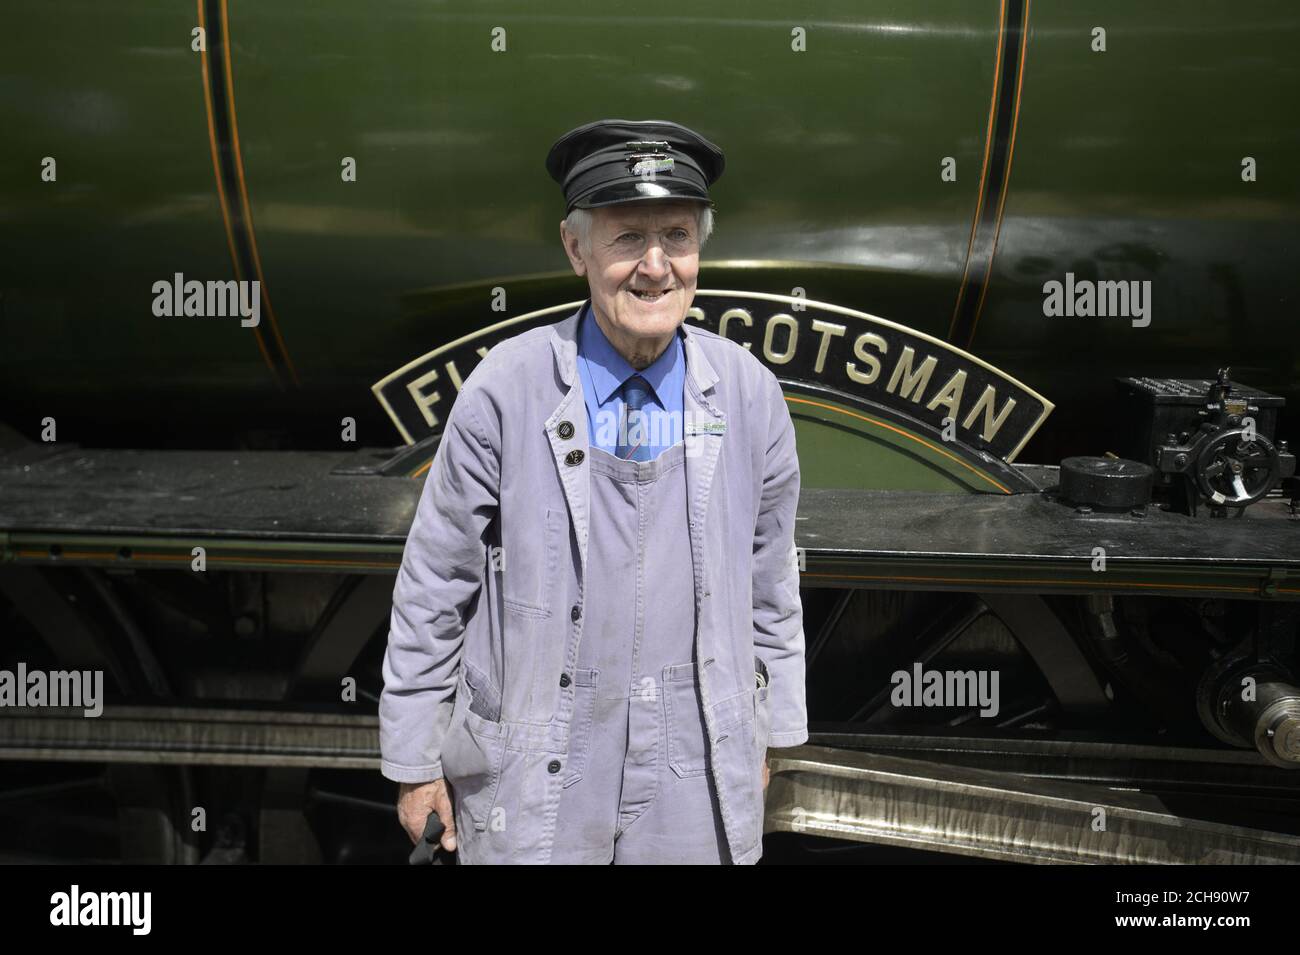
852 358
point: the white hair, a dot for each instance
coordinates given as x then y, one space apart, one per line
579 223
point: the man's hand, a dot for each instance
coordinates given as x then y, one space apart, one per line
414 803
766 773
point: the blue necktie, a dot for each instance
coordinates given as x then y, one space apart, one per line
635 392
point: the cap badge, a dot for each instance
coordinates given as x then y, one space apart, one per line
651 166
648 158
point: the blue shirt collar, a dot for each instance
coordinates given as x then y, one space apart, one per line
608 369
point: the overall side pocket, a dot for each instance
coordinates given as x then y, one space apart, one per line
472 757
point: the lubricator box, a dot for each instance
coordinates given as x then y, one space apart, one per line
1151 409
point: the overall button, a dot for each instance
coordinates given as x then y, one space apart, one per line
565 430
573 457
575 613
553 767
564 679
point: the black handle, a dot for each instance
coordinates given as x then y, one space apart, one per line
429 850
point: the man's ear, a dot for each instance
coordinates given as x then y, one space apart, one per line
571 249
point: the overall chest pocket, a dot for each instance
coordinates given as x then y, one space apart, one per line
688 743
530 566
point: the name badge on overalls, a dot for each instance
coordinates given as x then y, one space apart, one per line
708 427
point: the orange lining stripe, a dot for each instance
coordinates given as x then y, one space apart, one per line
984 169
243 193
1006 176
905 434
1029 580
216 168
186 558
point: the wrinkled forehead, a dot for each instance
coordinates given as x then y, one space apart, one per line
648 213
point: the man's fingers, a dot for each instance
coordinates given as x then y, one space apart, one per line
449 830
415 802
443 805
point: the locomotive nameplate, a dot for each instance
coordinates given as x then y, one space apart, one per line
861 357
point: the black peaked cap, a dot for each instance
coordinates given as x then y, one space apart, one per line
619 160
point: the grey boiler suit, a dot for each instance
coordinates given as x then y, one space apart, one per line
494 672
637 788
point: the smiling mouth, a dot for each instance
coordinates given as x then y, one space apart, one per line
652 296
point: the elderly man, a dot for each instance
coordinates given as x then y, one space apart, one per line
596 628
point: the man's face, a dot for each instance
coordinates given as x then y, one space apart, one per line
641 265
